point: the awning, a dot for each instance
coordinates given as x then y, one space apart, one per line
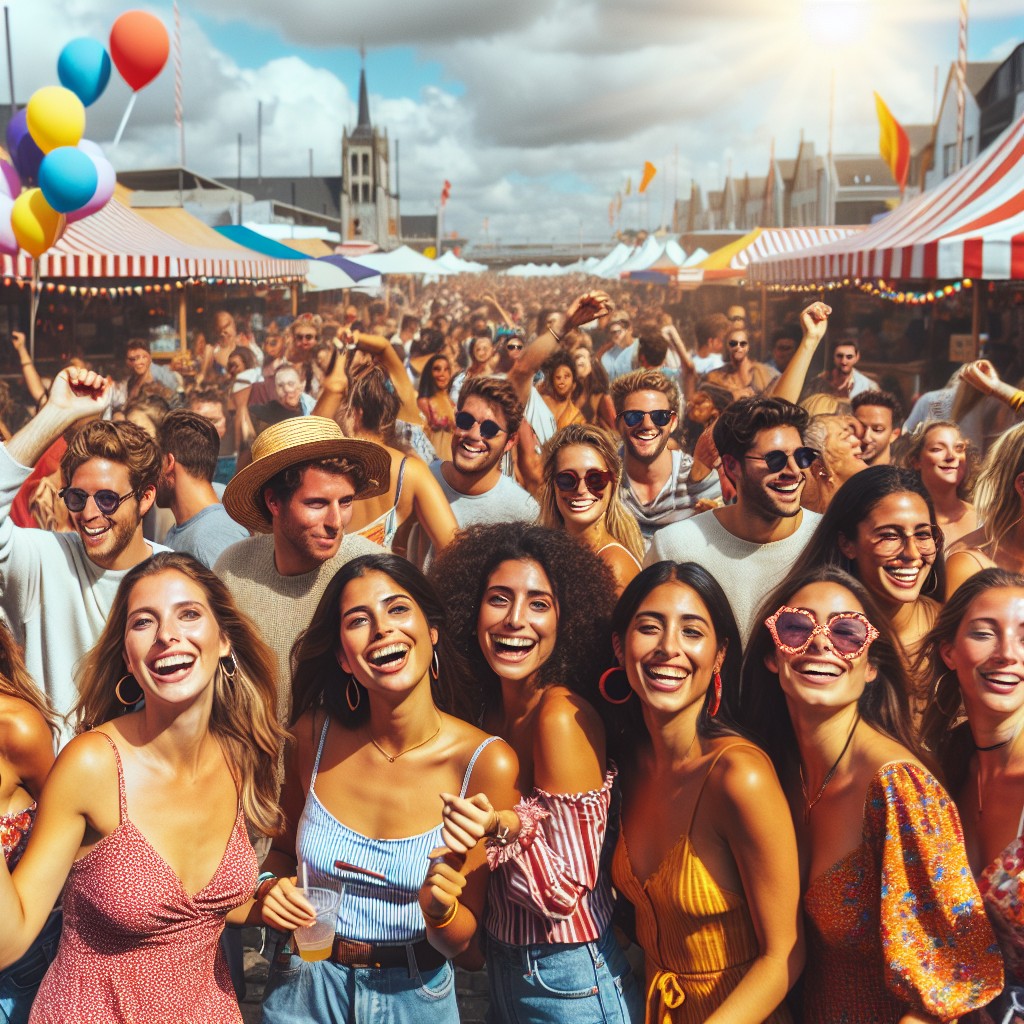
402 260
970 226
355 271
313 247
116 242
259 243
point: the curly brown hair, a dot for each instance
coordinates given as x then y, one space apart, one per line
582 585
116 442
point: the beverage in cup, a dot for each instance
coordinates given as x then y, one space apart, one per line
315 941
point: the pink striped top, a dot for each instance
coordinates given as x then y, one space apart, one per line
549 885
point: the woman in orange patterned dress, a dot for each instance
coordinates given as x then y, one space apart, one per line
896 929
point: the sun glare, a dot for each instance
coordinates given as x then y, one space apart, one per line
836 23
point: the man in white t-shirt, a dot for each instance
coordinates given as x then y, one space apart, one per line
751 545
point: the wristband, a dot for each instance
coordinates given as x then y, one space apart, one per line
551 331
262 888
449 916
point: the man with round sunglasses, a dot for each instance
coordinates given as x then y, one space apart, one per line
656 485
57 588
743 376
749 546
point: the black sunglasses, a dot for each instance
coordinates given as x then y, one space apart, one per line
514 346
596 480
778 460
739 344
634 417
108 502
488 428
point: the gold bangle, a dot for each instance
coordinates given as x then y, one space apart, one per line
450 915
1016 400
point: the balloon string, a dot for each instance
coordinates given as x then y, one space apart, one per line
34 306
124 120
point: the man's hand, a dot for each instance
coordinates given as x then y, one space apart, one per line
981 375
81 392
814 321
18 340
585 308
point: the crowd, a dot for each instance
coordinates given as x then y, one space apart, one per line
663 683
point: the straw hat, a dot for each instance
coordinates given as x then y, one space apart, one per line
294 440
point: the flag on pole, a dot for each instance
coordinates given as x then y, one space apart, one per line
648 176
629 186
893 143
446 191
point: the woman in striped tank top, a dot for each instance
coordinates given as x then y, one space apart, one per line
530 608
372 748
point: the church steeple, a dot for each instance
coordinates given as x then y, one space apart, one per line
364 99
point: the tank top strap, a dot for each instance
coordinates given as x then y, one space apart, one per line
401 477
1020 823
711 768
122 799
472 763
319 751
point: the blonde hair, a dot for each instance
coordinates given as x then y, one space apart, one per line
15 680
243 719
619 522
912 454
644 380
821 403
996 499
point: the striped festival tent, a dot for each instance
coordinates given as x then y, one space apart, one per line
970 226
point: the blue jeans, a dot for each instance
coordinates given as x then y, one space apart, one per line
311 993
562 983
19 982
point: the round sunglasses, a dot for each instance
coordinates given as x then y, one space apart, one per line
634 417
108 502
596 480
778 460
488 428
849 633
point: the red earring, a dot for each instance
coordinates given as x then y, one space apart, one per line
602 685
717 702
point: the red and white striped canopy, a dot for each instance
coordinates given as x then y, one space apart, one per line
116 242
972 225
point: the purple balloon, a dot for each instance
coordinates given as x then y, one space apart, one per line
8 243
10 183
105 181
27 156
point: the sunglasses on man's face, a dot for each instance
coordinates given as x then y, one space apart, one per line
849 633
634 417
739 344
305 337
596 480
108 502
514 346
777 461
488 428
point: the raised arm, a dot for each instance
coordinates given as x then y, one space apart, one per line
983 376
33 381
509 322
333 387
429 505
383 353
790 384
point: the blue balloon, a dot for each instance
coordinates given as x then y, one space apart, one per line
68 178
25 154
84 68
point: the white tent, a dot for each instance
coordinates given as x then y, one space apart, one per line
457 265
606 266
322 277
648 253
402 260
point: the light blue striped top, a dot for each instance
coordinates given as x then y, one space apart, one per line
371 911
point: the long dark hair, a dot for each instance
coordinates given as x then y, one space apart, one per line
944 729
851 505
318 681
624 723
583 588
428 386
885 703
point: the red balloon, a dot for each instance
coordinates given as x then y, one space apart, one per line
139 46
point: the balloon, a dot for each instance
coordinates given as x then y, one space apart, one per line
84 67
106 179
8 243
67 178
27 156
55 117
10 183
36 224
139 46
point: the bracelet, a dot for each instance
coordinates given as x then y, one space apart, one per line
1016 400
551 331
449 916
262 888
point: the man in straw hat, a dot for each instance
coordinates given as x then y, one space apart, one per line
296 496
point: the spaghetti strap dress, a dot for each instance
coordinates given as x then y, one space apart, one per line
698 938
137 948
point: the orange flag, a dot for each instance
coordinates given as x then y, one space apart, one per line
649 172
893 143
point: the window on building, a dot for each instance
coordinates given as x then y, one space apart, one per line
354 161
969 149
366 163
948 159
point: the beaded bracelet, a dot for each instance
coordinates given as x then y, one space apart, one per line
443 922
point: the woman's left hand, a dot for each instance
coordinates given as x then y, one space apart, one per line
466 822
443 885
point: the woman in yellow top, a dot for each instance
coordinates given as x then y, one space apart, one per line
559 386
707 852
436 405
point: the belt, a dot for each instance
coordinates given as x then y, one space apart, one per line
373 954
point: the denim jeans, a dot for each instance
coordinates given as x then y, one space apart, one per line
311 993
562 983
19 982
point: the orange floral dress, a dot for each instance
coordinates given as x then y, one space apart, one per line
898 924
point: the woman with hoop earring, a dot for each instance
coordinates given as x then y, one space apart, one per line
706 851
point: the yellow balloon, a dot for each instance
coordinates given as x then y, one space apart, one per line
35 223
55 117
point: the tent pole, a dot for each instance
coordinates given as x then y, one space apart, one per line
976 317
183 320
764 321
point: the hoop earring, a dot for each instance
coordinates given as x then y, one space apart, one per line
229 658
932 585
435 665
935 696
602 685
716 703
117 691
352 687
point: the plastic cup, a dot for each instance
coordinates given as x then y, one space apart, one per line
316 941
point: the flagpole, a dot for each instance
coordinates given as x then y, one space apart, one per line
961 84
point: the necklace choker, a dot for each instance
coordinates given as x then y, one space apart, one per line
995 746
829 775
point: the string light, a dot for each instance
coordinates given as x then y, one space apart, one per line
879 288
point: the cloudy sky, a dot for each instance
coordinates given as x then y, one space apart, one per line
537 111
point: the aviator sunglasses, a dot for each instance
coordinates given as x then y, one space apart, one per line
596 480
488 428
108 502
634 417
849 633
778 460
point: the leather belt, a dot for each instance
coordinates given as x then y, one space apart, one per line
371 954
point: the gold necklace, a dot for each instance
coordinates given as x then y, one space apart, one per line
829 775
392 758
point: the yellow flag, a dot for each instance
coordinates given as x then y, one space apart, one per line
649 172
629 186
